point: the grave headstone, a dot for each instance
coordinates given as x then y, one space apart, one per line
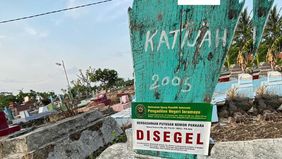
3 121
24 114
178 51
4 127
244 86
123 98
274 83
43 109
9 113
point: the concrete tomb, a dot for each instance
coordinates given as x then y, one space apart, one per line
123 98
245 85
24 114
43 109
274 83
4 127
9 114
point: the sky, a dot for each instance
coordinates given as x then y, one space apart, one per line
96 36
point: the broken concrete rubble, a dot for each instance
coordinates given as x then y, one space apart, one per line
75 137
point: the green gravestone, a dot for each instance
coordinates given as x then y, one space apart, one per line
261 9
178 51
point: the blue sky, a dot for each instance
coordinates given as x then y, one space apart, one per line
96 36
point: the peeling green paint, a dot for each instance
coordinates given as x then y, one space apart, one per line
178 51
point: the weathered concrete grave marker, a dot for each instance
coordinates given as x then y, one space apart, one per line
244 86
178 51
274 83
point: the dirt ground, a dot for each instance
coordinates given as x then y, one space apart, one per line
254 128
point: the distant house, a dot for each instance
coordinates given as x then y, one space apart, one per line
17 108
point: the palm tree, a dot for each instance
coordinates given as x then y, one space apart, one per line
242 35
273 26
272 35
244 29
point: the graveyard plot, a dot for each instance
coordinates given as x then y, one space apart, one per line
247 131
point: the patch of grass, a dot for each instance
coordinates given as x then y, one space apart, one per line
232 93
261 91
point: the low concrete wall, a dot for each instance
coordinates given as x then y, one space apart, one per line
76 137
255 149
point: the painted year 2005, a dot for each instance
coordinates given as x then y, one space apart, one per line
175 81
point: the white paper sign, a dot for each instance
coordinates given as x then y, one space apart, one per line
189 137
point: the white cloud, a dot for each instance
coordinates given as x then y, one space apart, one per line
3 37
31 31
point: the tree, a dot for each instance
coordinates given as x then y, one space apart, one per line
106 77
273 27
271 42
120 83
83 86
79 89
6 99
244 29
242 35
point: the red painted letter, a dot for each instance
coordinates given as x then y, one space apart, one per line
177 137
189 138
148 135
166 136
156 136
199 139
140 135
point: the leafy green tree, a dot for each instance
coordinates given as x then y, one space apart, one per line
79 89
106 77
6 99
129 82
120 83
272 35
243 34
244 29
273 27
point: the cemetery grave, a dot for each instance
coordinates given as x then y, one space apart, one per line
259 129
5 129
247 117
200 43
